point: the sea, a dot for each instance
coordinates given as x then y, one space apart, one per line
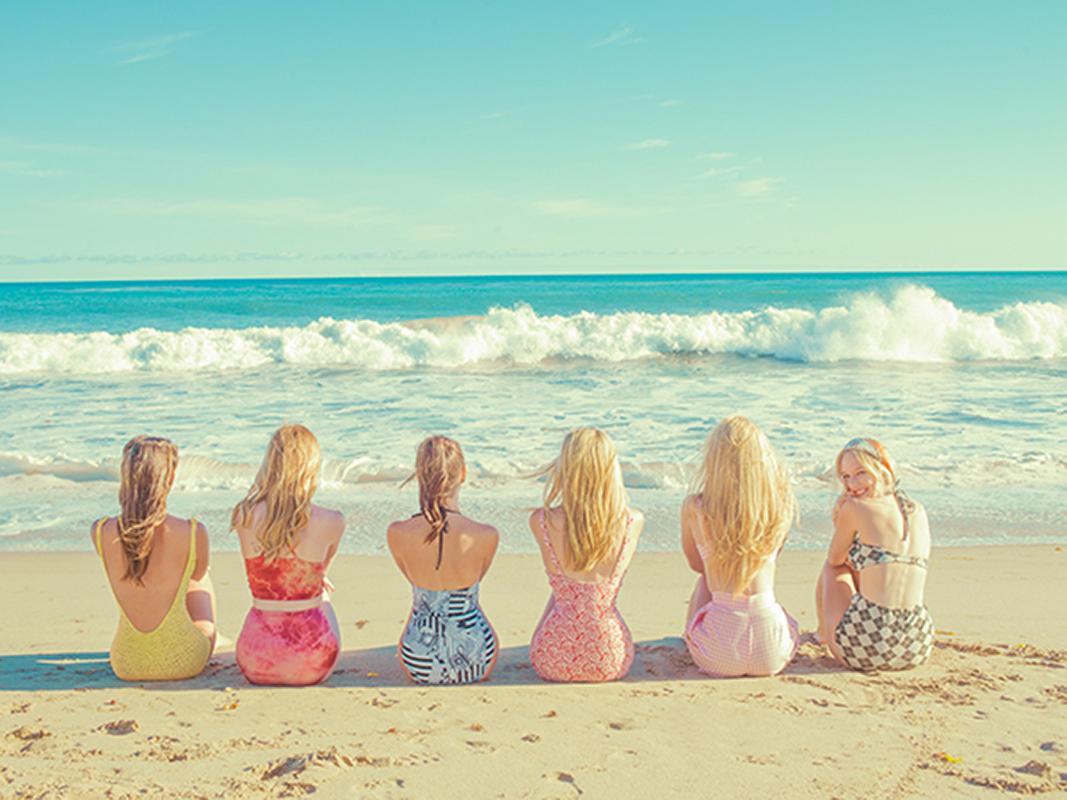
963 376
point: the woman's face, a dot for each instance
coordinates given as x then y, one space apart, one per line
857 480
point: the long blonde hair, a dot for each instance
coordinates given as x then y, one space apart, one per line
747 505
587 481
440 469
145 478
285 484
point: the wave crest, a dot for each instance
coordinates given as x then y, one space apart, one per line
914 324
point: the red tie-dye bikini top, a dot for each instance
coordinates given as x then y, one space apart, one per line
285 578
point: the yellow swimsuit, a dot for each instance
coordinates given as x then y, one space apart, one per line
174 649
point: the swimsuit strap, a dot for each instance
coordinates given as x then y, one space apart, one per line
548 543
622 550
903 515
191 564
440 534
96 537
879 555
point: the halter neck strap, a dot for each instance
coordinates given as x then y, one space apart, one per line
440 534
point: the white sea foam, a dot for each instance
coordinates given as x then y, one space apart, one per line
197 473
913 325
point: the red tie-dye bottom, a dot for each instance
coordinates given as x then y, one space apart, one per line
293 648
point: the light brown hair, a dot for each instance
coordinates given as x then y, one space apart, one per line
440 470
145 478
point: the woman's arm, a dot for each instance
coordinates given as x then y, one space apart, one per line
845 529
203 552
494 542
689 525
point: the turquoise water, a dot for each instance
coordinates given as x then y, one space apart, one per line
962 375
172 305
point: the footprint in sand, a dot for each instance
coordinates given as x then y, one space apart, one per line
27 734
120 727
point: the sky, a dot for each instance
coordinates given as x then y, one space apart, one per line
249 139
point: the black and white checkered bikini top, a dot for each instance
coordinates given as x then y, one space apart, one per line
862 555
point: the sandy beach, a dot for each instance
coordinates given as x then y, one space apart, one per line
985 716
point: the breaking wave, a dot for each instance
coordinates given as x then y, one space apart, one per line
914 325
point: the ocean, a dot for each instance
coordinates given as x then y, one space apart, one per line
962 375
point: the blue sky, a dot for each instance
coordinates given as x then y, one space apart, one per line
245 139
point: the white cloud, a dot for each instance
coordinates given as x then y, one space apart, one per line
670 103
716 172
620 36
719 156
151 48
648 144
495 115
757 187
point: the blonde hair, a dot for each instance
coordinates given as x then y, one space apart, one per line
285 484
145 478
440 469
746 502
587 481
874 458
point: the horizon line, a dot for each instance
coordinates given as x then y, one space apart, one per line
755 272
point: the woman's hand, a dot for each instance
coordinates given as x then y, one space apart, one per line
327 584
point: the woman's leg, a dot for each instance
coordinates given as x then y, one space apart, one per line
833 594
200 603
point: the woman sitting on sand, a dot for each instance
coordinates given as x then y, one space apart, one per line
586 544
157 567
732 532
444 555
870 594
290 635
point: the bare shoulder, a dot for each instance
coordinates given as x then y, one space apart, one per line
853 507
483 530
637 524
691 504
535 519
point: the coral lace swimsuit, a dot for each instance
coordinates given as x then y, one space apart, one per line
583 637
287 637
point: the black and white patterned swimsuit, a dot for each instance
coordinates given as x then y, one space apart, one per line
872 636
447 638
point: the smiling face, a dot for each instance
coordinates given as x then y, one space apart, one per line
855 477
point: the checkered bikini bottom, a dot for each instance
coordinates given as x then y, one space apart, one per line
875 637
